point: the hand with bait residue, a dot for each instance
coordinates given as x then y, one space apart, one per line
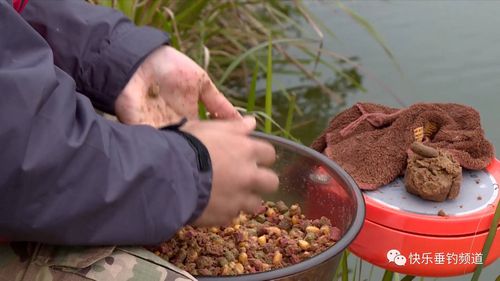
166 87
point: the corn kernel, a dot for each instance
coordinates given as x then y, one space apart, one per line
243 258
303 244
265 266
325 229
312 229
228 230
274 230
214 229
295 219
277 258
270 212
225 270
192 255
262 240
239 268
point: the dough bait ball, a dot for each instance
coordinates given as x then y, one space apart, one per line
432 174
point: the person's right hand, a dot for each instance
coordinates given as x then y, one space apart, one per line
239 167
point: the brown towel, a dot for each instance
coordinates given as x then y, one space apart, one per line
370 141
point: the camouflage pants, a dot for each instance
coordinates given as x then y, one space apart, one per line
40 262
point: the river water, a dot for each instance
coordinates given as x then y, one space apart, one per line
448 51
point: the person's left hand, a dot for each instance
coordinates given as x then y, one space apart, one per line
167 87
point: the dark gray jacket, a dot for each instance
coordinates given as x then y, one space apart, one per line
67 175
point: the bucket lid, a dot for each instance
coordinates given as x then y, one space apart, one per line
471 212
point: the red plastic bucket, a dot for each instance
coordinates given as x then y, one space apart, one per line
405 234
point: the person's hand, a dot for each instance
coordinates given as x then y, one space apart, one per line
166 87
239 167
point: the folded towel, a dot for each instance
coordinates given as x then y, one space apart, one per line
370 141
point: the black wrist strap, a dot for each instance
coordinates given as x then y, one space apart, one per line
202 155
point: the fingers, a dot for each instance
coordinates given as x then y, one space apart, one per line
245 125
265 181
249 123
251 204
264 153
215 102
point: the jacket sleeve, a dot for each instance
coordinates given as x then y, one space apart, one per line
69 176
99 47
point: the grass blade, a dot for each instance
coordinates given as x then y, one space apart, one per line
253 86
300 67
408 278
368 27
172 26
344 266
355 270
319 22
388 275
489 241
127 7
263 116
189 14
269 86
144 14
339 267
106 3
335 96
289 19
372 267
316 29
334 68
202 111
360 269
289 115
252 51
